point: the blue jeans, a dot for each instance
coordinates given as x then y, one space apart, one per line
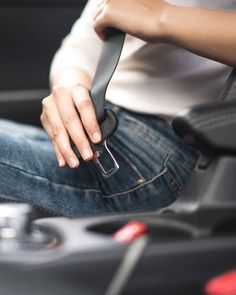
154 167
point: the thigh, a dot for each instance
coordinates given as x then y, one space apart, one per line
154 166
29 171
29 149
154 163
22 130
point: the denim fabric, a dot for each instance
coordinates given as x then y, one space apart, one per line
154 167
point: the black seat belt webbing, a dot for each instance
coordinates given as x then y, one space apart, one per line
107 120
106 67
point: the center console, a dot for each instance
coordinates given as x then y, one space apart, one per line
80 256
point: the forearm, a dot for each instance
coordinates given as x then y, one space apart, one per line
71 76
208 33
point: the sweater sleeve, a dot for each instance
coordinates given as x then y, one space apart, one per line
81 48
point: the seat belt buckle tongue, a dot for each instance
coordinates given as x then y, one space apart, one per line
105 161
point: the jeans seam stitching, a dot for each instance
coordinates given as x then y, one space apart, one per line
131 124
181 164
176 187
164 170
56 183
127 161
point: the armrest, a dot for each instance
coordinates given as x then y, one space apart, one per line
211 126
22 105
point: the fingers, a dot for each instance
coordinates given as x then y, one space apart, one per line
71 121
99 9
60 159
69 113
101 19
57 131
48 129
87 113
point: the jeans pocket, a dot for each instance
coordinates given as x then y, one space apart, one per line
145 132
152 194
129 178
140 155
142 149
176 175
126 178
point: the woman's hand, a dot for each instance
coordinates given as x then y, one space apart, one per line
205 32
66 112
139 18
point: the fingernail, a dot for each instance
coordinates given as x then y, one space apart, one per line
72 162
86 153
97 137
61 163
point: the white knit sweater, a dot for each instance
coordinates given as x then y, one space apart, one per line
150 78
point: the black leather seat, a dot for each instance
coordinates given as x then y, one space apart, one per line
211 128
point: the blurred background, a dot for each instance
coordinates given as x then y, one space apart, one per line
30 33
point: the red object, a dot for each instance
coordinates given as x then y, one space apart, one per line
222 285
131 231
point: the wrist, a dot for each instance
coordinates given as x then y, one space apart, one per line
166 23
69 77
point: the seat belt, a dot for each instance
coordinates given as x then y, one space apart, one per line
106 118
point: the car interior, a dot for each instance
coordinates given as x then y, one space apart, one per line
179 249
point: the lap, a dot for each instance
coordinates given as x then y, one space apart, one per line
154 166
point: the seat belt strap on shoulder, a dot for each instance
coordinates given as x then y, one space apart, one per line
106 118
